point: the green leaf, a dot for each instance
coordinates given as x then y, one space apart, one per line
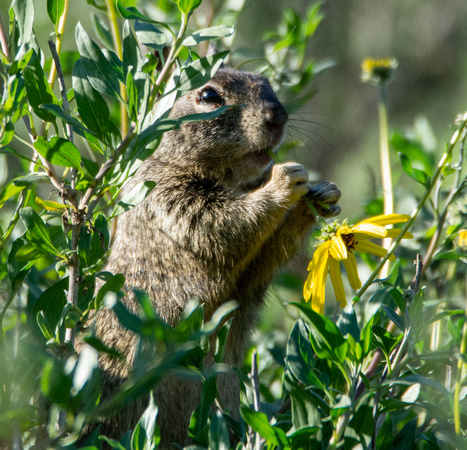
146 434
78 127
55 9
348 323
115 284
132 59
394 317
134 197
199 419
155 130
14 102
92 108
103 31
325 337
150 36
304 412
31 251
51 302
300 356
385 340
24 14
38 88
99 240
199 72
259 422
132 13
218 432
7 133
99 71
416 174
9 191
187 6
31 179
36 227
14 266
59 151
44 326
101 347
55 384
207 34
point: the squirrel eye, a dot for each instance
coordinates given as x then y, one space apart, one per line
210 96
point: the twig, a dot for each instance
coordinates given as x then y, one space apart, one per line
65 104
48 167
105 168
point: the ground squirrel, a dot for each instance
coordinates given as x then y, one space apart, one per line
220 223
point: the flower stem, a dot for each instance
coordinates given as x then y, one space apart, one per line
386 175
442 162
460 372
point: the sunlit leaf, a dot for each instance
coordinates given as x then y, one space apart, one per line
59 151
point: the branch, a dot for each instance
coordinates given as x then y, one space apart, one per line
65 104
105 168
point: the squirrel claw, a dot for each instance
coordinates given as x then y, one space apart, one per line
324 197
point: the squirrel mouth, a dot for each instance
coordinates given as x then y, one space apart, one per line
261 157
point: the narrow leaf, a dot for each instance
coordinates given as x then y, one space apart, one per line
98 69
150 36
207 34
37 88
134 197
92 108
103 31
55 9
200 71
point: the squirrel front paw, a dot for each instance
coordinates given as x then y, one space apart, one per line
324 197
290 180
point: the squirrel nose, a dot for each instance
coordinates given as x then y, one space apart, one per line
276 114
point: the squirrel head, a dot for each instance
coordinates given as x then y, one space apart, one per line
236 145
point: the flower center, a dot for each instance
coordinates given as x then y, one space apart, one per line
349 241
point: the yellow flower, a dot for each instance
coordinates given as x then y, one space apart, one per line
378 70
462 239
339 243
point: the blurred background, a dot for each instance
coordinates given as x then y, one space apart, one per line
429 40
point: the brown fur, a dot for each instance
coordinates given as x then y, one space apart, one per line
220 223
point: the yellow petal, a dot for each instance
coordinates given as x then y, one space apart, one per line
386 219
336 279
307 287
318 255
350 265
369 231
338 250
319 284
394 233
372 249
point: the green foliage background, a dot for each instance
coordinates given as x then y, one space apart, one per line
307 381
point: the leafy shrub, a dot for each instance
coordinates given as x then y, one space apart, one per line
388 371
